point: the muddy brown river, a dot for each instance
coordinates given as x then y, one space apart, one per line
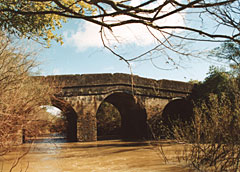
100 156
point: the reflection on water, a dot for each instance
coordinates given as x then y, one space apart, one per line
98 156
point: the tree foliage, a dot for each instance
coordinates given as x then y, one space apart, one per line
217 82
37 19
229 51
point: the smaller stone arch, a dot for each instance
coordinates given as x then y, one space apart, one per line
177 110
133 115
71 117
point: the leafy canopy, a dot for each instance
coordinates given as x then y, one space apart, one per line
37 19
229 51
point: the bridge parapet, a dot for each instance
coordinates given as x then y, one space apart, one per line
99 84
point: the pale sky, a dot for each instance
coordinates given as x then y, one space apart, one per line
83 53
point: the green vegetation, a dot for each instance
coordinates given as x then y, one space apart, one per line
37 19
229 51
217 82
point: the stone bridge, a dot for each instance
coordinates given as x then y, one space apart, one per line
137 99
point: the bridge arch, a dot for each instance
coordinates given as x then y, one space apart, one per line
179 109
86 92
71 117
133 115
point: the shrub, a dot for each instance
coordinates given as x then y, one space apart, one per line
213 138
20 94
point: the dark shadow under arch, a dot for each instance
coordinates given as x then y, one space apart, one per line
71 117
178 110
133 116
108 122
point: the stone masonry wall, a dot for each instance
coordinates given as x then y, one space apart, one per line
86 92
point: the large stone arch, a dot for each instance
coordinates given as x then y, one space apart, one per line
71 116
133 115
177 110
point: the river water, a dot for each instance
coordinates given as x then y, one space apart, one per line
100 156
